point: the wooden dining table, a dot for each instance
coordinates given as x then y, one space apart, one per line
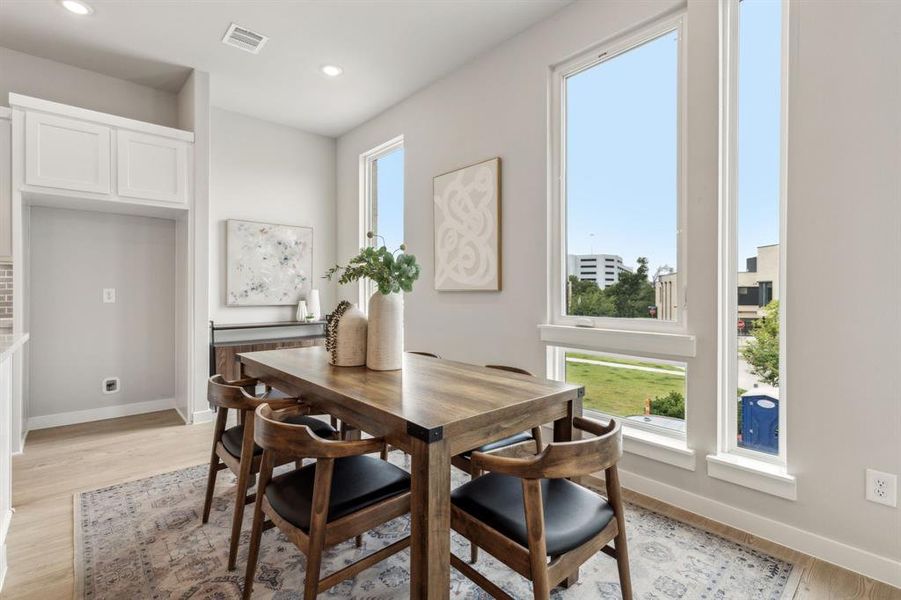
432 409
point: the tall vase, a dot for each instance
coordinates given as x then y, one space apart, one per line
385 336
313 307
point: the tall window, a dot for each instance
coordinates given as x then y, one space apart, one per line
753 282
382 199
620 180
616 152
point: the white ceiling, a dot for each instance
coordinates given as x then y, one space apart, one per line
388 48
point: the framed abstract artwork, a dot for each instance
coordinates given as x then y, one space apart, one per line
267 264
468 228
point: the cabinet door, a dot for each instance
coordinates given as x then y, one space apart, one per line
6 242
152 167
66 154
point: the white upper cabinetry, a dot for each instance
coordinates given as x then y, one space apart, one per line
66 154
152 167
92 156
6 235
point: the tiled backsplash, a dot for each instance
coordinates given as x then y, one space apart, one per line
6 291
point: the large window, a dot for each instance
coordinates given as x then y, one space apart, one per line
616 220
619 177
382 199
753 280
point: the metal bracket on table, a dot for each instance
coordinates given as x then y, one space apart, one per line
428 436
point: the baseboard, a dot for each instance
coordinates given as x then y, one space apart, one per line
182 415
202 416
849 557
99 414
21 448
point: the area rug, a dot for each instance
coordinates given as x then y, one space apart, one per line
143 539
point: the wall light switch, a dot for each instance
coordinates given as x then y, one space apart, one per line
109 295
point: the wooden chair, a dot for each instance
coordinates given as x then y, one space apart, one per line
464 462
342 495
233 448
526 510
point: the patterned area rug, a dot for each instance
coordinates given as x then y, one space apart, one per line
144 539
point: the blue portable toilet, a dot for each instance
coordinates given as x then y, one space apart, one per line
760 421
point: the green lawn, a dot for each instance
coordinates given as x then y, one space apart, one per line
622 392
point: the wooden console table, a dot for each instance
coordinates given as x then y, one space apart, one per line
227 340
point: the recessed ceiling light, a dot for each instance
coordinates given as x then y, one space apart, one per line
77 7
331 70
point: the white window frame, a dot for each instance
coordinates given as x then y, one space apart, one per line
368 183
557 181
728 199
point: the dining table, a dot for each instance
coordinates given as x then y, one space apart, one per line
432 409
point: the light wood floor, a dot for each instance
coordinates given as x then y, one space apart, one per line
59 462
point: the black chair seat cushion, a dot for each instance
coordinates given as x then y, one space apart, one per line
572 514
525 436
233 437
357 482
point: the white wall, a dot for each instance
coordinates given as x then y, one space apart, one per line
76 340
274 174
51 80
843 351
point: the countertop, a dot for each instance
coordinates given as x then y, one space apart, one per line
9 343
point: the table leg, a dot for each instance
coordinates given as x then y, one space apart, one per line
564 432
430 520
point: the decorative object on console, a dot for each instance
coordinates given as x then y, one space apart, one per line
302 312
468 228
314 308
267 264
393 273
386 332
345 336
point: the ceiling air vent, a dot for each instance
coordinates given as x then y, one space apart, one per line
245 39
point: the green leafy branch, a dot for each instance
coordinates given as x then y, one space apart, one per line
392 272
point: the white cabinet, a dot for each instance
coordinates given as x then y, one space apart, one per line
151 167
6 241
66 153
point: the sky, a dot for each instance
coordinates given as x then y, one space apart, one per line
390 190
622 146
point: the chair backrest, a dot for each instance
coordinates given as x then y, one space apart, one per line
429 354
561 460
232 394
274 435
510 369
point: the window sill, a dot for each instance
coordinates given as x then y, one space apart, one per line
665 449
641 343
755 474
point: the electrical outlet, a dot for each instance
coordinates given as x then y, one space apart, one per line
882 488
110 385
109 295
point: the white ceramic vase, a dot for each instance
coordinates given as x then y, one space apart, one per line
313 307
385 340
301 314
350 339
